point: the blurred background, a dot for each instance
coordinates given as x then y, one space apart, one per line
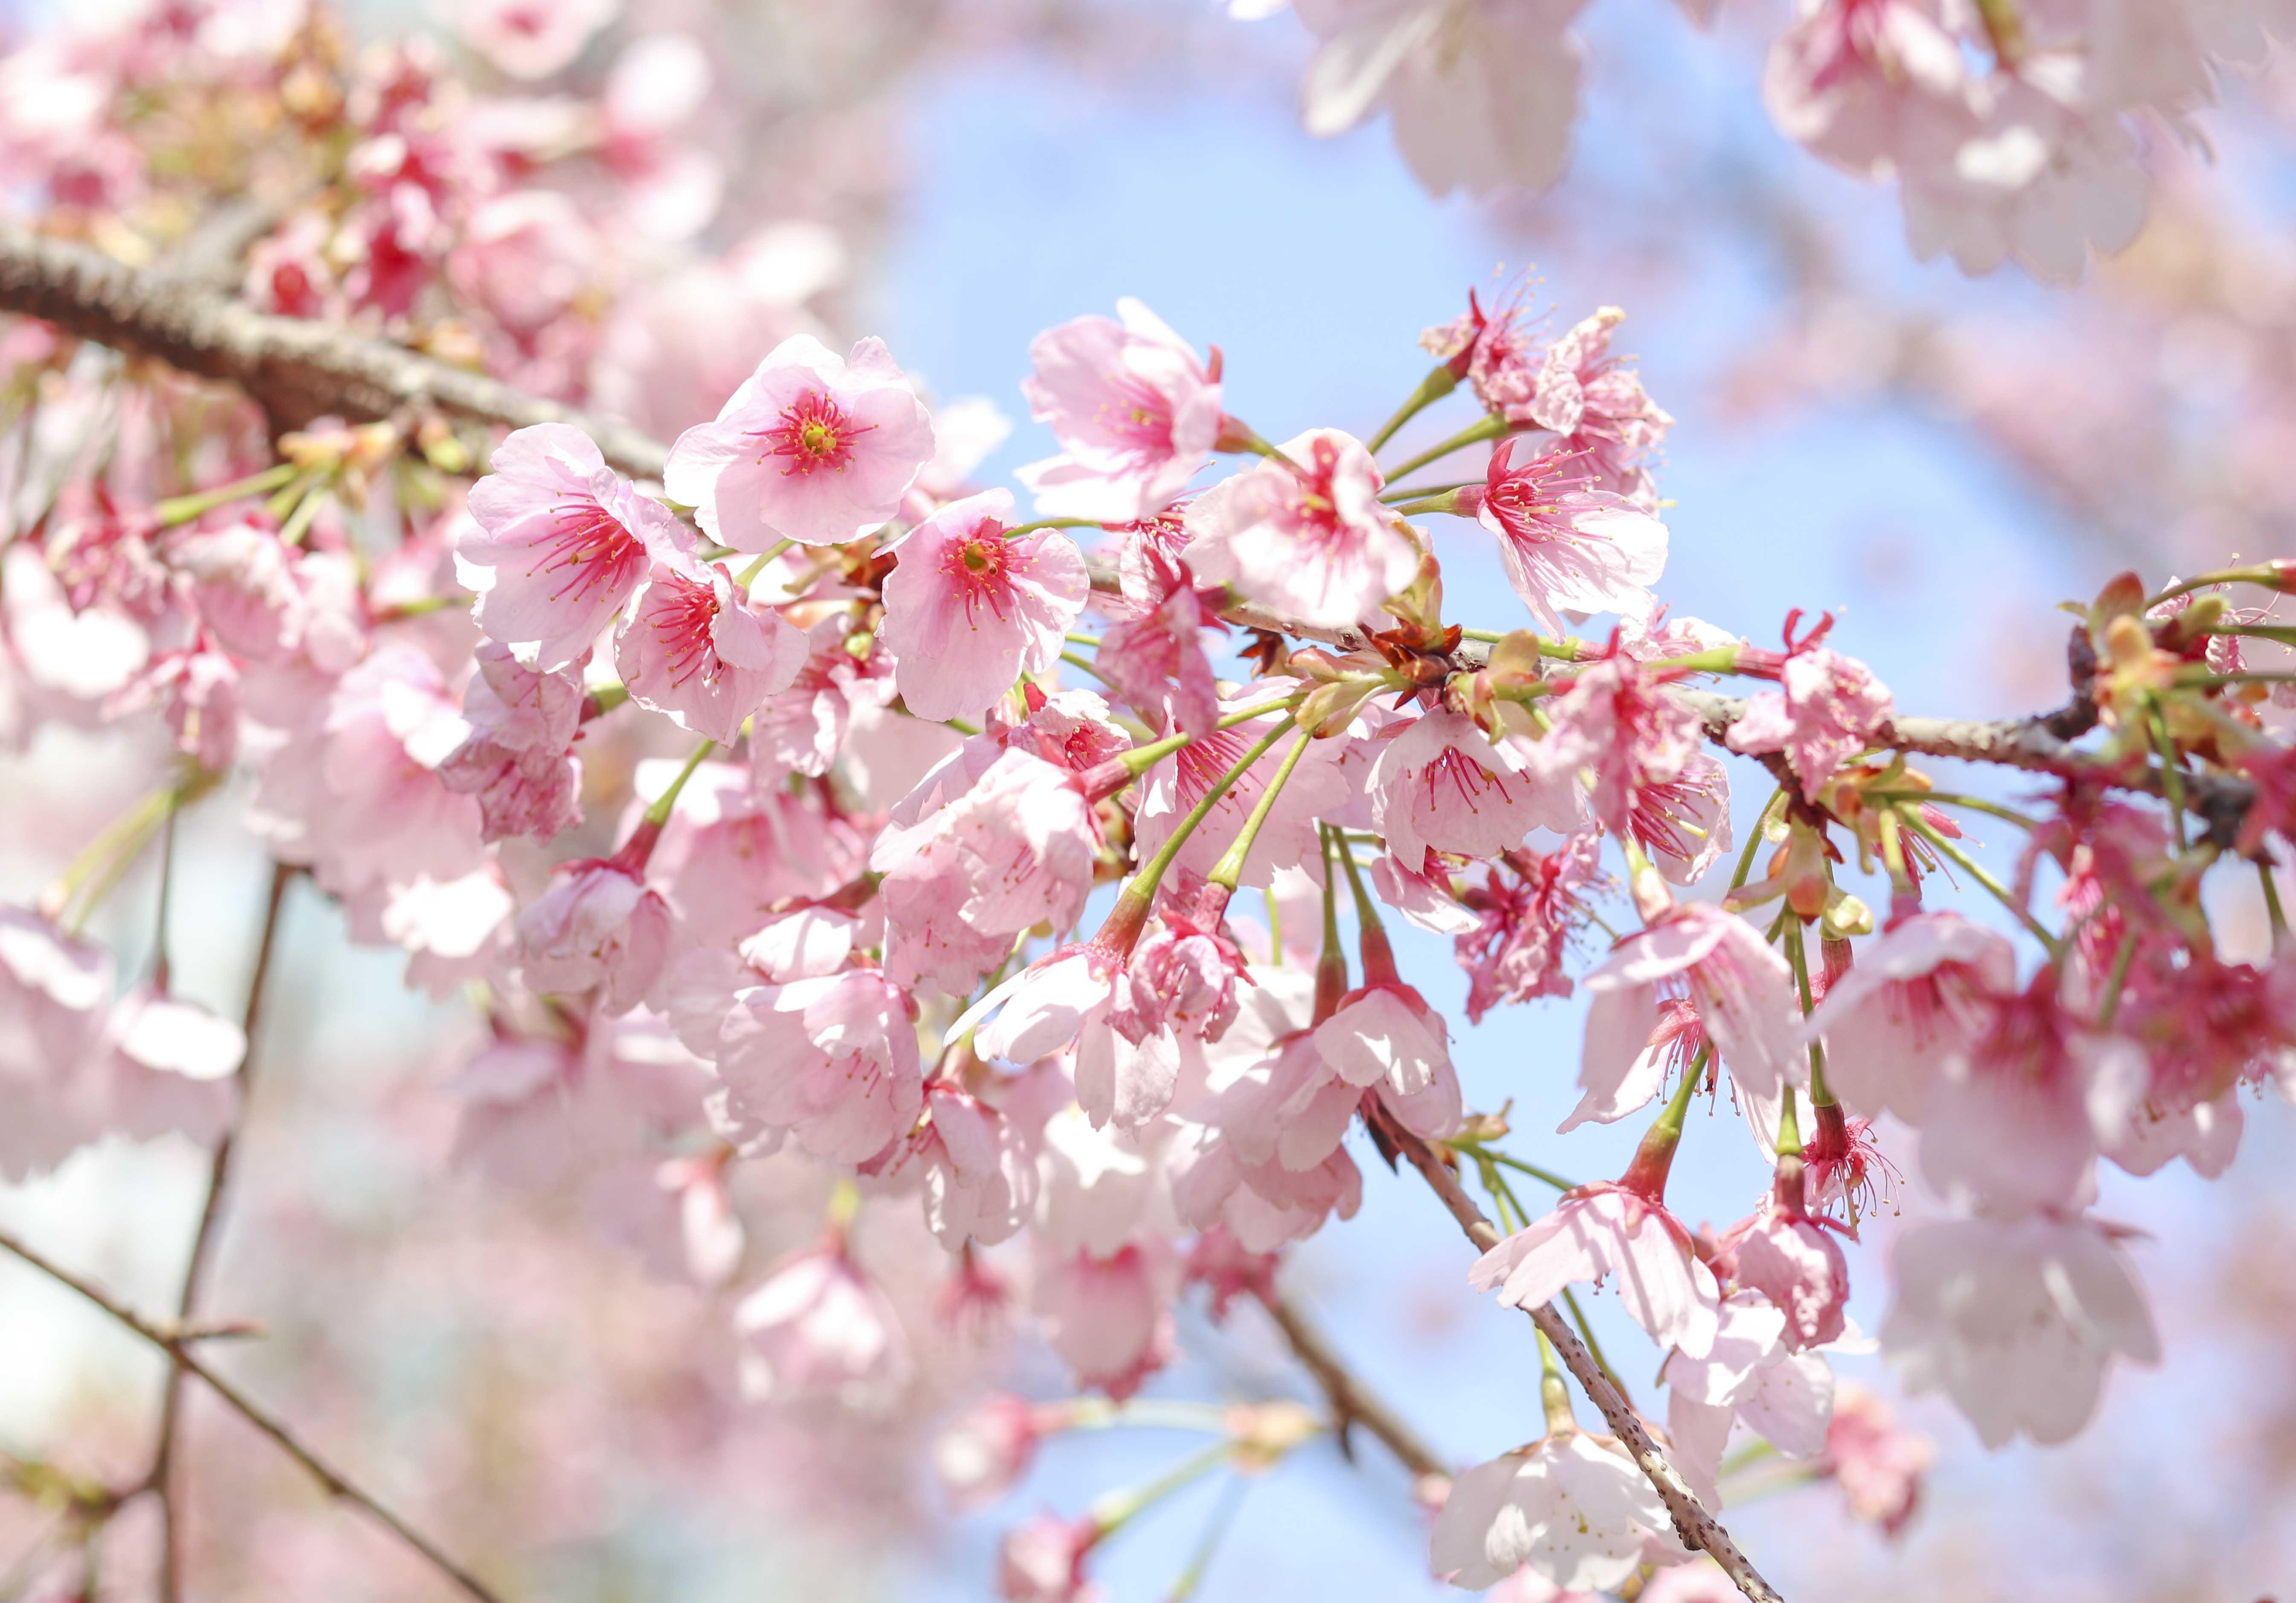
510 1351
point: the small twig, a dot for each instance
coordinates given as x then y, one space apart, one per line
1697 1528
179 1349
1352 1401
163 1452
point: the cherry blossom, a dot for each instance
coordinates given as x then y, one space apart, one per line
1136 411
2016 1321
1916 1000
1595 1232
813 447
1827 709
1569 548
818 1326
518 759
1304 535
598 927
1572 1507
1440 786
693 647
971 607
559 543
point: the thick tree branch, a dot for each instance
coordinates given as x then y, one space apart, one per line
1352 1401
1697 1528
296 370
176 1344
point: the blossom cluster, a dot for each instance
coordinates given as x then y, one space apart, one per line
806 801
2014 132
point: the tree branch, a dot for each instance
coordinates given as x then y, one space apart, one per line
1697 1528
176 1345
295 369
163 1453
1352 1401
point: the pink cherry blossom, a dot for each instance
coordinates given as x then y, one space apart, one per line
53 993
1917 999
1109 1317
1744 996
977 1168
598 927
1598 1231
1440 786
801 728
1526 910
1154 659
1600 409
518 759
2016 1321
1865 83
1616 722
530 38
984 1451
1797 1265
970 608
1572 1507
694 647
829 1058
1750 1377
1041 1560
1877 1462
1305 536
559 543
1134 409
1015 850
1827 709
813 447
1480 96
169 1069
819 1326
1288 838
1569 548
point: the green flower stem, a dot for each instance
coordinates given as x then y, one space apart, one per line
182 508
2116 981
1087 665
749 575
1551 1392
1112 1512
2269 575
1030 528
1797 955
2023 821
1491 427
1433 388
1390 497
1962 860
1140 892
1229 871
2272 902
659 814
1140 759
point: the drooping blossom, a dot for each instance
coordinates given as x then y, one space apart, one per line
1750 1377
529 38
1794 1262
970 607
2014 1123
1570 549
2016 1321
54 992
977 1167
1527 909
1041 1560
1743 993
801 728
980 1455
804 1047
169 1069
1915 1000
559 543
1480 95
518 758
1599 1232
1440 786
1155 658
1109 1316
1826 710
813 447
1136 411
1877 1462
819 1326
1572 1507
597 928
1013 851
1305 536
1068 1000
